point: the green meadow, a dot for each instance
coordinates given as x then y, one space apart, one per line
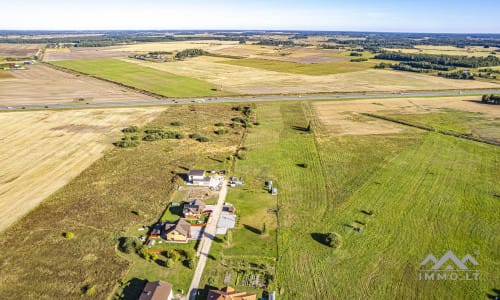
303 69
144 78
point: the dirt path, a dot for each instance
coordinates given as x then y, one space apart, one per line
206 243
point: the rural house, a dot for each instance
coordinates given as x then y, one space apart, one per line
178 232
193 209
229 293
157 290
197 177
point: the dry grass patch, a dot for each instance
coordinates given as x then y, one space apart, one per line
249 80
18 49
42 151
41 84
343 117
176 46
38 262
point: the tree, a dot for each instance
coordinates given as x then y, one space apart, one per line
169 263
173 254
69 235
190 263
333 240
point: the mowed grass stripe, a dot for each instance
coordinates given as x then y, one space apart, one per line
149 79
304 69
431 199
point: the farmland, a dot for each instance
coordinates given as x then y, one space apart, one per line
341 180
163 83
395 179
325 179
255 81
43 151
450 50
40 84
305 69
18 50
98 207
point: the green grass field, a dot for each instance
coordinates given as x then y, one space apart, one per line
304 69
430 194
456 121
144 78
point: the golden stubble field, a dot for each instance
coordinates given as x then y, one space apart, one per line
40 84
41 151
343 117
248 80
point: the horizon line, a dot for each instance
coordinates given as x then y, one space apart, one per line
252 30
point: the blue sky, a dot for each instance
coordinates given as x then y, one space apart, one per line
480 16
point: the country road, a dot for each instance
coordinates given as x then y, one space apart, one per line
206 242
305 97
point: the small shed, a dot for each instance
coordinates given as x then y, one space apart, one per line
274 191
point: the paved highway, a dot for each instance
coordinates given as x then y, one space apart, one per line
176 101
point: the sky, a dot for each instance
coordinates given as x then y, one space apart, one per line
450 16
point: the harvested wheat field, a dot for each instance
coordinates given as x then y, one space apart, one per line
209 45
41 84
22 50
343 117
250 80
42 151
83 53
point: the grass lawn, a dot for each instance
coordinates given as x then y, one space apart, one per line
142 271
144 78
304 69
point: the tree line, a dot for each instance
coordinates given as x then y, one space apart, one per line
491 99
442 60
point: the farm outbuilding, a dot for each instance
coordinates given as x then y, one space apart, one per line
196 175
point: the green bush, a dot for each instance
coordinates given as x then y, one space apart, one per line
169 263
219 124
221 131
130 129
177 123
333 240
190 263
143 252
90 290
199 138
129 244
69 235
173 255
159 134
127 142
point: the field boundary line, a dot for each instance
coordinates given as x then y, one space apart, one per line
432 129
